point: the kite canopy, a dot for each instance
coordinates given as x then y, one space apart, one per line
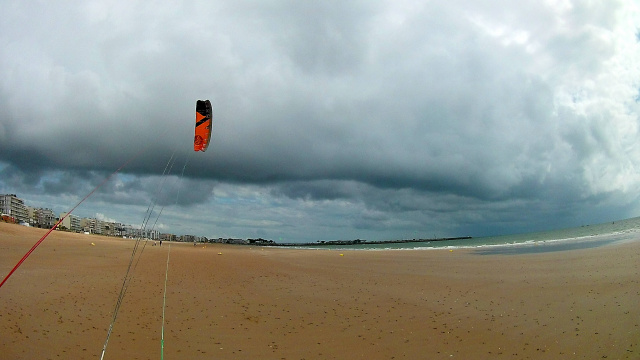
203 125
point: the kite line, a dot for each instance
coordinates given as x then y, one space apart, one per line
129 273
67 214
166 274
164 305
145 223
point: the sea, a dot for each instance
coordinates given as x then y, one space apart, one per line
581 237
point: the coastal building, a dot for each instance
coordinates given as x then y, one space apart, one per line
12 206
114 229
92 226
71 222
152 234
135 233
31 214
167 237
14 210
188 238
192 238
132 232
42 218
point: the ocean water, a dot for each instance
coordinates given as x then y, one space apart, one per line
556 240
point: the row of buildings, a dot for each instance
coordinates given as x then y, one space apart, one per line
13 209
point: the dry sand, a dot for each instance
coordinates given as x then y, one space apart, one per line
273 303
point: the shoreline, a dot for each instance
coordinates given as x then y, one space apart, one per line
226 301
355 242
527 246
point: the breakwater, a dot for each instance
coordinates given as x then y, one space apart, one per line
355 242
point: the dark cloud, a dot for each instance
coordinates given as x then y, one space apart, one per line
318 190
329 120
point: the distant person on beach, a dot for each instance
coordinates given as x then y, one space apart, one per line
160 242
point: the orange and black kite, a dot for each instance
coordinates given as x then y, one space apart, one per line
203 125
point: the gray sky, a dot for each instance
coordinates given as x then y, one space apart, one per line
332 119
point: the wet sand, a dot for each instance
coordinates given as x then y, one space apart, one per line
269 303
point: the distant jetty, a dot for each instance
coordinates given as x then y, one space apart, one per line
263 242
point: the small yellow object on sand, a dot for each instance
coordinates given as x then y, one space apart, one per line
219 253
92 244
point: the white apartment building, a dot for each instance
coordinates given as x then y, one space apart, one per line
13 206
71 222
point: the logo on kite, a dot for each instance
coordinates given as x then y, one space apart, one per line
203 125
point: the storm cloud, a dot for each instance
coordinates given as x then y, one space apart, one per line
331 119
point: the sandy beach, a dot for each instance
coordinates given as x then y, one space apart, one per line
240 302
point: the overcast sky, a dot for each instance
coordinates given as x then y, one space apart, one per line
332 119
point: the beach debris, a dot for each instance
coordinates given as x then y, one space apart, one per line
219 253
341 254
93 244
